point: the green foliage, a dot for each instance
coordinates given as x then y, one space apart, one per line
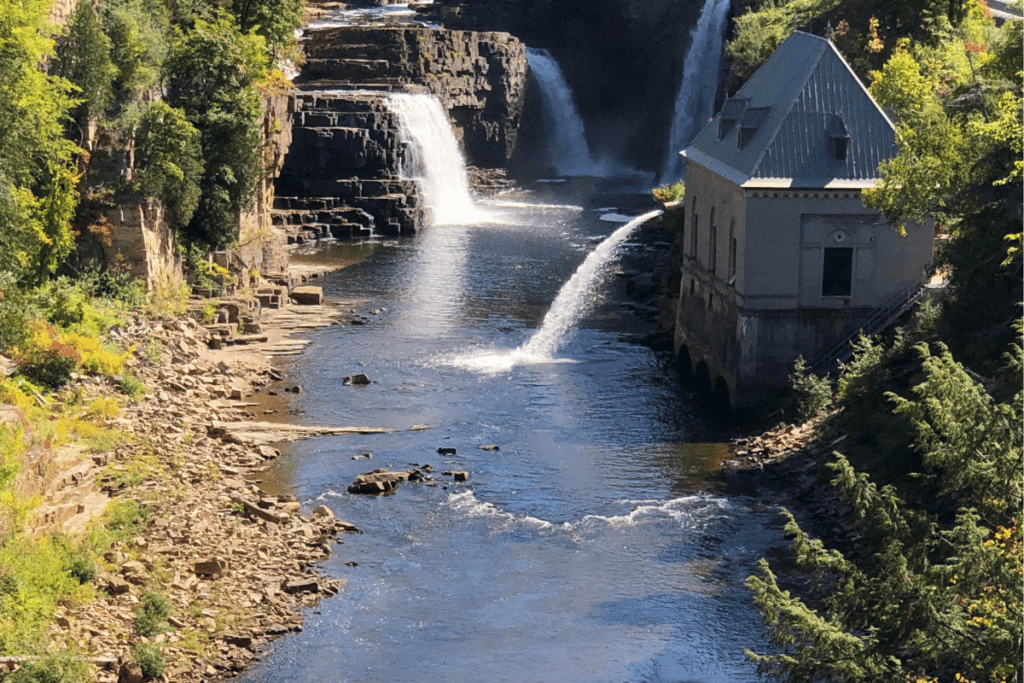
865 31
212 72
274 20
670 193
150 658
139 42
923 591
60 666
15 309
126 518
76 560
47 360
83 58
970 443
33 581
168 156
132 385
759 32
151 613
960 135
37 180
813 393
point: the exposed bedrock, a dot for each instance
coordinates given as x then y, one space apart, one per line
342 174
479 77
623 60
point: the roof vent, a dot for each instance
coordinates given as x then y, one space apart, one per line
838 138
751 121
732 110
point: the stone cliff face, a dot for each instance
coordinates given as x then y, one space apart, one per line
479 77
623 60
341 176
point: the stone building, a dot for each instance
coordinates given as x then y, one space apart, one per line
780 256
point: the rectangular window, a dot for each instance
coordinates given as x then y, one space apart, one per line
837 273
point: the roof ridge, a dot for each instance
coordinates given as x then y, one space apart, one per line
780 121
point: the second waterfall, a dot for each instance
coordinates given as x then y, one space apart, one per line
695 102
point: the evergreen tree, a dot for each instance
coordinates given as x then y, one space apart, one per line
168 157
83 58
930 591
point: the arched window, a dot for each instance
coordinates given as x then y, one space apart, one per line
693 230
712 243
732 251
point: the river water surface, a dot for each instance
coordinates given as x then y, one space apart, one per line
589 547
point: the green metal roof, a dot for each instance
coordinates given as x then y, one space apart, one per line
781 128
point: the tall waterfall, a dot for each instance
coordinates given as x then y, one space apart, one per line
696 99
434 160
567 139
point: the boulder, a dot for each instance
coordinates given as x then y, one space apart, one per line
130 672
307 295
383 480
322 513
304 585
359 380
213 568
117 586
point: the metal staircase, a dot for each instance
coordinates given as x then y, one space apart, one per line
879 320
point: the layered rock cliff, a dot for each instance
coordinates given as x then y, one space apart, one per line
623 60
341 177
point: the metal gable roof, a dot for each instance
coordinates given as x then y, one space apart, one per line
803 96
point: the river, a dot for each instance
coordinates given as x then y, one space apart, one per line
589 547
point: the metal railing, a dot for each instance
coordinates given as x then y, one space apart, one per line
878 321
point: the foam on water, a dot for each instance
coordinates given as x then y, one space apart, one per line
690 512
574 300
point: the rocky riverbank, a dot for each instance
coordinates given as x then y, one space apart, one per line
237 565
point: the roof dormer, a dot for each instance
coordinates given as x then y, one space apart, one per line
732 110
838 138
751 121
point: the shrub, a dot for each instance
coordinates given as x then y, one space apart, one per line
813 393
15 309
45 358
670 193
150 658
60 666
33 581
126 518
95 357
76 560
151 613
132 385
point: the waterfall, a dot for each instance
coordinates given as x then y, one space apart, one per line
695 102
434 160
567 142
